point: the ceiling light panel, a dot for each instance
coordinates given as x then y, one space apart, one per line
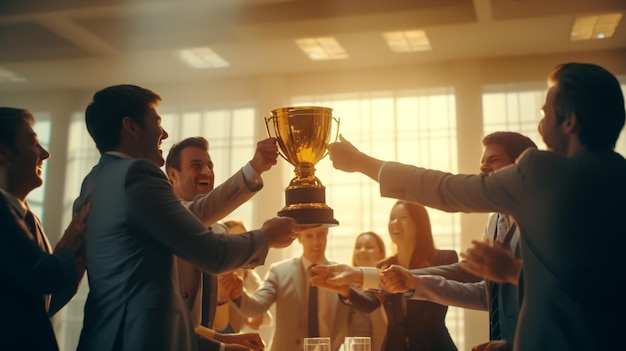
7 76
201 58
324 48
407 41
595 27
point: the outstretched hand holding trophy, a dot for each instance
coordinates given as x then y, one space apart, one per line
303 134
346 157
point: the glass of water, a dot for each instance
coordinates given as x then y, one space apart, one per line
357 343
316 344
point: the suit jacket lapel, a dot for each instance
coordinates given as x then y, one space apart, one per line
514 242
45 244
299 279
332 304
509 234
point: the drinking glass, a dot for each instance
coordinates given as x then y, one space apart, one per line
357 343
316 344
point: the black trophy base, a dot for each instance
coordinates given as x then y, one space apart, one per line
310 216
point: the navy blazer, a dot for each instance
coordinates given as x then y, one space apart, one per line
27 273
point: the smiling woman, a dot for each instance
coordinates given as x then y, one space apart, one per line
412 325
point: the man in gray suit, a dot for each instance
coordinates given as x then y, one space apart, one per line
137 225
287 285
566 204
454 286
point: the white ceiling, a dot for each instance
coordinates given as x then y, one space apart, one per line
90 43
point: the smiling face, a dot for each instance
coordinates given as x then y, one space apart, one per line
402 229
494 158
147 144
24 162
196 173
313 242
367 251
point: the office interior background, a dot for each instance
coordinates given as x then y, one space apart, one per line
414 81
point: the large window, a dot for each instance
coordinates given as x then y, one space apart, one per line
514 108
517 108
414 127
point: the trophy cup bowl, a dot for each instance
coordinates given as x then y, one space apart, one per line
303 134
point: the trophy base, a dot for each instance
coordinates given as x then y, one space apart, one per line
311 214
307 205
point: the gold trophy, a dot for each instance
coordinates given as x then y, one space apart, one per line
303 134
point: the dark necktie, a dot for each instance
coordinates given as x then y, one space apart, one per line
209 299
502 235
35 229
312 311
494 314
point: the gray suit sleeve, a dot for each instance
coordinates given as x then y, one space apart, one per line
498 191
154 209
451 293
450 271
222 200
258 302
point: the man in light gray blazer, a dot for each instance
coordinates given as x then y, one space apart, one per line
136 227
565 202
190 169
287 285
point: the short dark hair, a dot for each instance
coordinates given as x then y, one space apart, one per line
594 95
514 143
110 105
173 157
10 121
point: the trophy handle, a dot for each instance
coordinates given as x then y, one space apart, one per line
336 133
267 129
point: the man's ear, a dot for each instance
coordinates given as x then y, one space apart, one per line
570 125
129 125
172 175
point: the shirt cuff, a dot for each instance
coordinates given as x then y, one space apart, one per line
251 177
380 170
371 280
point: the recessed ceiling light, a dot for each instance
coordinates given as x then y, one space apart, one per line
408 41
595 27
202 57
325 48
7 76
